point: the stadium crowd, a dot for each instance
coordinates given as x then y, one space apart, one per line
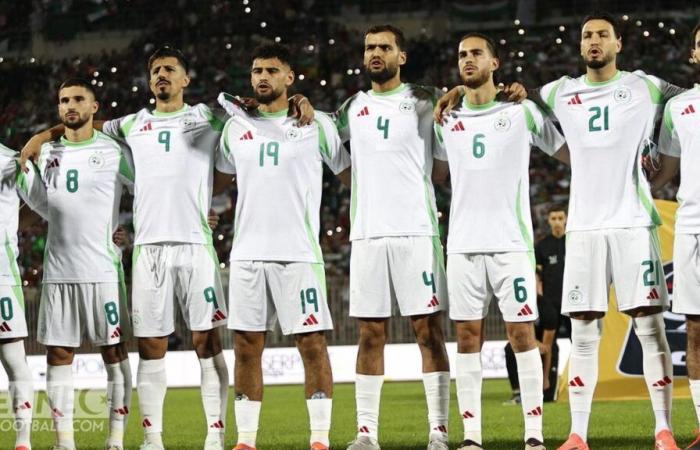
217 37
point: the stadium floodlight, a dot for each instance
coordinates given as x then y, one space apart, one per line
516 22
134 88
301 76
646 33
323 82
558 41
331 41
671 31
278 39
114 104
247 10
95 74
521 31
625 17
228 46
661 24
113 69
263 24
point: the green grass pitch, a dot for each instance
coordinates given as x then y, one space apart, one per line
284 421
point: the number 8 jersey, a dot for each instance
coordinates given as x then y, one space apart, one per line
608 125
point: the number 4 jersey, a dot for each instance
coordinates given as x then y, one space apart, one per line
84 183
608 126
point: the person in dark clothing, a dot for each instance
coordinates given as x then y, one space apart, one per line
549 256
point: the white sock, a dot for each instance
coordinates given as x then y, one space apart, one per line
151 384
530 377
319 419
469 379
437 395
583 372
658 368
222 374
368 391
59 390
118 399
211 397
695 394
247 417
21 389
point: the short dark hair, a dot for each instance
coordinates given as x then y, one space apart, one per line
80 82
602 15
272 50
556 207
695 33
489 42
167 51
398 34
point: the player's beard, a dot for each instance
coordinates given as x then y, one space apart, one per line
77 123
266 99
384 74
475 82
600 63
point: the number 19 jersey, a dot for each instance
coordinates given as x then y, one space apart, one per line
392 147
488 149
174 156
608 125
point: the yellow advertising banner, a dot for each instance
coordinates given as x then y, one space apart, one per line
620 374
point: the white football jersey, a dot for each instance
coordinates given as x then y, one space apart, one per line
174 156
608 126
12 182
392 147
680 137
279 173
488 150
83 182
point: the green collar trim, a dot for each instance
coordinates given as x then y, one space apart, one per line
616 77
273 115
170 114
396 90
472 107
84 143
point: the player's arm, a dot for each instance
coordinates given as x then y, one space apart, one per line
222 181
441 170
669 152
547 343
544 132
32 190
32 148
669 169
300 106
514 92
333 152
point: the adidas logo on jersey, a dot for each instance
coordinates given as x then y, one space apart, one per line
525 311
247 136
535 412
117 333
458 127
5 327
653 294
147 127
688 110
575 100
218 315
311 320
433 302
665 381
363 112
576 382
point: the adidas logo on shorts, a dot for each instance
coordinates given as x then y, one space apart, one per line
5 327
218 315
311 320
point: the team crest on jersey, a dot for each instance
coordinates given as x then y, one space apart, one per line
407 107
187 121
293 134
623 94
96 161
575 297
502 123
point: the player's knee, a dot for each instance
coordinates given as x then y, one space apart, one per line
651 332
372 335
59 356
248 346
585 336
693 329
312 346
521 336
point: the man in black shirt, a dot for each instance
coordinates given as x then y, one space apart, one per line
549 256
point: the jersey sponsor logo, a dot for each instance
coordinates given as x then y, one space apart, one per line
575 296
501 123
458 127
623 94
96 161
688 110
187 121
363 112
147 127
407 107
575 100
247 136
293 134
